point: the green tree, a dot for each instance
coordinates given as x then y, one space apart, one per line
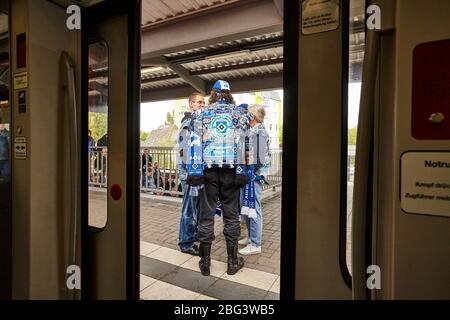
280 124
352 134
98 124
144 135
170 117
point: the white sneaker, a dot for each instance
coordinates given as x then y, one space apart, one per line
250 249
244 241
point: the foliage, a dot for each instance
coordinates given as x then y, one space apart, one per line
144 135
170 118
280 124
352 134
98 124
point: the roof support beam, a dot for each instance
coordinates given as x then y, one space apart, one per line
95 86
196 82
271 81
252 18
279 5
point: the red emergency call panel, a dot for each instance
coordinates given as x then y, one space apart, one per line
431 91
21 45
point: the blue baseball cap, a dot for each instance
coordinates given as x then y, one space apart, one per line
221 85
244 106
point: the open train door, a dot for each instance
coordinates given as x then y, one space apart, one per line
401 202
111 81
63 53
315 86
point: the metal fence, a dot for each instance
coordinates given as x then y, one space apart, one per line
159 174
351 163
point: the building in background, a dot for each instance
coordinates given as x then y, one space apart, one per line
174 111
274 113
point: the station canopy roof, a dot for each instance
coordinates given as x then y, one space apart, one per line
188 44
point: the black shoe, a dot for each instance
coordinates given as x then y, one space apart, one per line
235 263
205 261
192 250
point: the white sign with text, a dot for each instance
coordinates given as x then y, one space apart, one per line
320 16
425 183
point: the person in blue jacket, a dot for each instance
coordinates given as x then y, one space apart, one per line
216 163
5 171
189 210
258 161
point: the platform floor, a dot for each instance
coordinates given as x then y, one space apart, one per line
168 274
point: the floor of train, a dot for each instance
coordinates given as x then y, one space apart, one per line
168 274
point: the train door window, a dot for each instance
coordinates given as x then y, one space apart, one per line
98 133
174 68
356 54
5 162
167 206
5 170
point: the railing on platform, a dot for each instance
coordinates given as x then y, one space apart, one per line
351 163
159 174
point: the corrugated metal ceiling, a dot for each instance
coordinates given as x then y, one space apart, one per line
154 11
263 53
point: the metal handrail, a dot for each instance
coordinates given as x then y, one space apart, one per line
362 166
70 88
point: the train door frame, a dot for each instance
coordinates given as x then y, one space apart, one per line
290 203
290 149
92 15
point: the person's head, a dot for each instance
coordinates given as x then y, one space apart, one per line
2 126
221 90
196 101
146 150
89 133
258 112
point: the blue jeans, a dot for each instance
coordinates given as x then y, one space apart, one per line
5 172
188 221
255 225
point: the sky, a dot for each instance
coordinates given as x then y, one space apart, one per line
354 92
154 114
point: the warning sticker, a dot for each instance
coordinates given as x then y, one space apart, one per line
20 80
319 16
425 183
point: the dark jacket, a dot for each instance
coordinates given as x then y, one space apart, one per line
4 145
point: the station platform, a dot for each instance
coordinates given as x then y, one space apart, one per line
168 274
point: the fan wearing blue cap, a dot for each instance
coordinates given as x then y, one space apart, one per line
216 161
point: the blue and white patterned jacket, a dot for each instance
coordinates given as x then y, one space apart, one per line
219 131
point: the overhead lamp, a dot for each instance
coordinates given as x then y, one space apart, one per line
228 55
151 69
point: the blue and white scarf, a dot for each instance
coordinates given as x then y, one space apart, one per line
249 202
195 153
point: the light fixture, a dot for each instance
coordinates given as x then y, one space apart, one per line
151 69
228 55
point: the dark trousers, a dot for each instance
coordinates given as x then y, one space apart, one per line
220 184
